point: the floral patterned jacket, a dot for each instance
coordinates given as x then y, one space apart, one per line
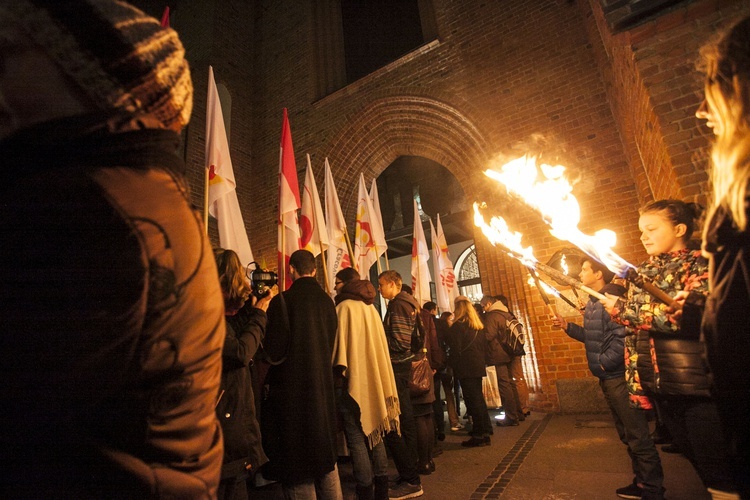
659 357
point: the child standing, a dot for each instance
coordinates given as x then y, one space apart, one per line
669 360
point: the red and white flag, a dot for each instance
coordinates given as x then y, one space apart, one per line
338 252
445 279
288 233
378 231
222 195
420 254
312 224
365 253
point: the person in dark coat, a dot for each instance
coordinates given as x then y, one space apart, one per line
298 415
467 356
496 318
112 318
246 325
604 342
726 239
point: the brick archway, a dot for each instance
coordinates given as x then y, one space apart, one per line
407 125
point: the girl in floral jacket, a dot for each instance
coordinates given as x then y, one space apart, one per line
669 360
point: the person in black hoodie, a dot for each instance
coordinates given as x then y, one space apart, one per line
604 341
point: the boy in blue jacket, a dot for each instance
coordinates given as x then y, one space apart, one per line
604 341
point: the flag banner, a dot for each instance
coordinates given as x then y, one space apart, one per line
222 196
338 252
312 224
165 18
289 203
364 243
445 279
420 254
378 231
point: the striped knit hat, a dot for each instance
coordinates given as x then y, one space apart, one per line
118 56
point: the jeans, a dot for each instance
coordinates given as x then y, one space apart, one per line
632 427
508 392
403 448
476 407
326 487
365 467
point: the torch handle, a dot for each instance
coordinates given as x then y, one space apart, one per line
652 289
545 298
551 271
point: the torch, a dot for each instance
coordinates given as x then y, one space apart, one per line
552 197
543 292
556 292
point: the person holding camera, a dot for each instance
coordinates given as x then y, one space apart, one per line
246 324
298 415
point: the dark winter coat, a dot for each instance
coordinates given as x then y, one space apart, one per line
602 337
399 321
112 322
670 360
496 332
298 417
467 350
727 313
236 408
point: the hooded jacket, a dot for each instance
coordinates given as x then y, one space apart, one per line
495 329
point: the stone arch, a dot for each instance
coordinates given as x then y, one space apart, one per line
407 126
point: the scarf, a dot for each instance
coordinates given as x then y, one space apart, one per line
362 351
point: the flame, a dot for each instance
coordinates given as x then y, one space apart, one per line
547 288
498 233
564 265
553 198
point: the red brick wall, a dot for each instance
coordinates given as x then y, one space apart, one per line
617 110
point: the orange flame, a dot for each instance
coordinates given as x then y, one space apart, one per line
549 289
553 198
498 233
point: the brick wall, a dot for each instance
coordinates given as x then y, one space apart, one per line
616 109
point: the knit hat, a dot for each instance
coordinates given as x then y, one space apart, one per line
118 56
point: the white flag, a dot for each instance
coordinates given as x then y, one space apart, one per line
338 253
364 242
445 279
312 224
222 195
420 254
378 231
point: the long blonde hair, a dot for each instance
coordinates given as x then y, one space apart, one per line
727 66
234 284
465 312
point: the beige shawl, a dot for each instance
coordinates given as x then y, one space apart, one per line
361 349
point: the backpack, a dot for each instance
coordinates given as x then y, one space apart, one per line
516 337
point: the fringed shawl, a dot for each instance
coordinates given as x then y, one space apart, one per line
361 349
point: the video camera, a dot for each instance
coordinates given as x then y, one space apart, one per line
261 281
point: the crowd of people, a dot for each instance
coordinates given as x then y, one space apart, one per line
114 308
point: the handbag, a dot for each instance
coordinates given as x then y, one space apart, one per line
421 375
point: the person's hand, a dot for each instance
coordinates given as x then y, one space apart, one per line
674 310
559 322
263 302
609 302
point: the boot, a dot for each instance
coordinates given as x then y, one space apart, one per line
365 492
381 487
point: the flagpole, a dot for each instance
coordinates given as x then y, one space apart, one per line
205 200
282 264
351 252
323 261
